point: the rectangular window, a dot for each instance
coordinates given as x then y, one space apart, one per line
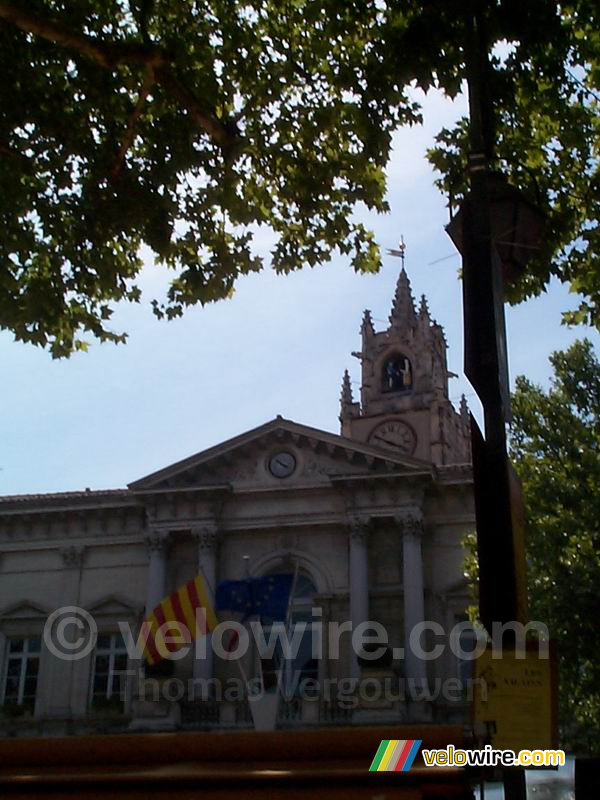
109 672
21 672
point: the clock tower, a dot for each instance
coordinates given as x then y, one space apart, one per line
404 405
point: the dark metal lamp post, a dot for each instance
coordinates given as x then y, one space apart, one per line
496 231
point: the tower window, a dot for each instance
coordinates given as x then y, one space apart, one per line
397 374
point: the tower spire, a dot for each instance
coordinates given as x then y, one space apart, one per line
348 408
464 411
367 323
403 307
346 395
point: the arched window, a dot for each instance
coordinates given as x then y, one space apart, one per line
300 629
303 590
397 374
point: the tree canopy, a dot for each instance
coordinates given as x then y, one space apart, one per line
555 446
185 126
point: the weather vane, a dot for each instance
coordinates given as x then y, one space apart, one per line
399 253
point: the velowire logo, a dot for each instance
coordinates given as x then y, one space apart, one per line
395 755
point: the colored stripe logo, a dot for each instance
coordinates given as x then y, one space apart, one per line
395 755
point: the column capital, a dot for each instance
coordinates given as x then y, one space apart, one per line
360 528
157 541
411 523
205 536
72 555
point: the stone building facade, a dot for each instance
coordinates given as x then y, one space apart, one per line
370 522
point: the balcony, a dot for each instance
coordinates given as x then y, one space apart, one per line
293 713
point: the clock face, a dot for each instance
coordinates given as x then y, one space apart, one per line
394 435
281 465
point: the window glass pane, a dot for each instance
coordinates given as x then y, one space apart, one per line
118 641
34 644
103 641
30 686
11 690
121 662
100 684
16 645
13 666
32 666
118 687
304 587
102 663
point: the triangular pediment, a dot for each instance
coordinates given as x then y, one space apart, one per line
318 455
25 609
112 604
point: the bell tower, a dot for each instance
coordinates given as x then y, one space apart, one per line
404 404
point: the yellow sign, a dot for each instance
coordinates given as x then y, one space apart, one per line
515 698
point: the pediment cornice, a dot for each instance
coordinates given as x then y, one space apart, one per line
211 467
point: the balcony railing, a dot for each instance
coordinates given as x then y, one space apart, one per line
292 713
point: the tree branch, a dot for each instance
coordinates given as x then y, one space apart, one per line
131 125
214 127
109 55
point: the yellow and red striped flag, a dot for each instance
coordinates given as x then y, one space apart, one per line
190 606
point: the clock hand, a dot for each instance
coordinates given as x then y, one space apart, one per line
386 441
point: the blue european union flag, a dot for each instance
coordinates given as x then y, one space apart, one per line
264 597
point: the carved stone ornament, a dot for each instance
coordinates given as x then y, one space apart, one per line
205 537
72 555
359 530
411 524
157 541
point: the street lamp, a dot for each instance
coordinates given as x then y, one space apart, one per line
516 226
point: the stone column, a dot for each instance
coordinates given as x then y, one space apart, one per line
205 537
150 714
414 599
359 581
60 691
157 543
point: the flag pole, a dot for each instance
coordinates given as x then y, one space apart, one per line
288 620
288 613
242 671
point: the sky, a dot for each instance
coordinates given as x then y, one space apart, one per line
106 418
